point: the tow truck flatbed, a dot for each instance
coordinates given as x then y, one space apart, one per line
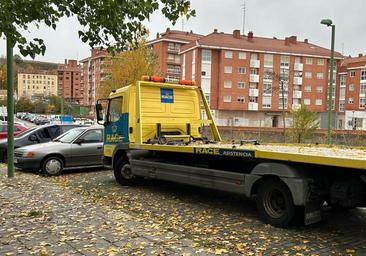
311 154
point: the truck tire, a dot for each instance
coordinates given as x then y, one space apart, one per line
275 204
123 173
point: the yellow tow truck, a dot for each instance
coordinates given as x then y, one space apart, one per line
154 129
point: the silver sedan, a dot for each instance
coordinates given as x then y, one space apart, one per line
79 147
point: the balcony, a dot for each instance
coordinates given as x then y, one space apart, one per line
173 71
297 80
298 67
253 106
173 61
173 49
253 92
254 78
255 63
297 94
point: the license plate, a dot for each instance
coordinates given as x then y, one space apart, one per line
15 160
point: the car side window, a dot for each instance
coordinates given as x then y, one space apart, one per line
93 136
54 131
43 134
66 128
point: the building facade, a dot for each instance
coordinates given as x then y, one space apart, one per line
92 74
249 80
167 46
35 85
70 84
352 93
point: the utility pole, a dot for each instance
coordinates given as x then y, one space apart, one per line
10 107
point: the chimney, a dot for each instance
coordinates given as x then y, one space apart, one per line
191 32
306 41
274 37
65 61
250 36
287 41
167 30
157 35
215 30
293 39
236 33
360 55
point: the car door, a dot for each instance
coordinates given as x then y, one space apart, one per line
88 149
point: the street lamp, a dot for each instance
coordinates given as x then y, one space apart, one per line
329 23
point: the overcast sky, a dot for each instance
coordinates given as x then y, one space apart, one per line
266 18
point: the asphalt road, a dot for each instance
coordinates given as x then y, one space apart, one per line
158 218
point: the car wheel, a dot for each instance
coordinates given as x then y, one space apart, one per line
123 173
52 165
275 203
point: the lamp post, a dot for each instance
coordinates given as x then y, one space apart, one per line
329 23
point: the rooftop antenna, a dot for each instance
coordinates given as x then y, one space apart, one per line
244 8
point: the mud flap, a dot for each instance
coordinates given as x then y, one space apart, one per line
312 213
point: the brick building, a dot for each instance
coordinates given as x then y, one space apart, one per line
167 46
92 74
243 76
70 85
352 93
37 84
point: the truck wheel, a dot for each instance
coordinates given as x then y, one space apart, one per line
52 166
123 173
275 204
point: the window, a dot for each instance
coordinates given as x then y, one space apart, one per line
307 88
267 73
268 60
285 61
341 105
319 89
351 87
363 89
240 99
307 102
115 109
319 75
227 98
350 101
318 102
206 55
241 70
363 75
282 103
362 103
241 85
342 80
308 75
242 55
252 99
320 62
267 88
228 69
228 54
254 56
352 73
227 84
93 136
266 102
309 61
342 93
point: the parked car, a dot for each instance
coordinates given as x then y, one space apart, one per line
18 128
35 135
78 147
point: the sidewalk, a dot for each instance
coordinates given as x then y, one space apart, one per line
43 218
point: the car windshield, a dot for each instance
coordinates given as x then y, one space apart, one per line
26 132
69 136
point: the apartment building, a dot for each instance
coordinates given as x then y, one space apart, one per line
92 74
167 46
70 85
248 80
352 93
37 84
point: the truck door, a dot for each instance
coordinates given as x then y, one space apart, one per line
116 128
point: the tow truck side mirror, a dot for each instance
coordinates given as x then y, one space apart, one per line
99 111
